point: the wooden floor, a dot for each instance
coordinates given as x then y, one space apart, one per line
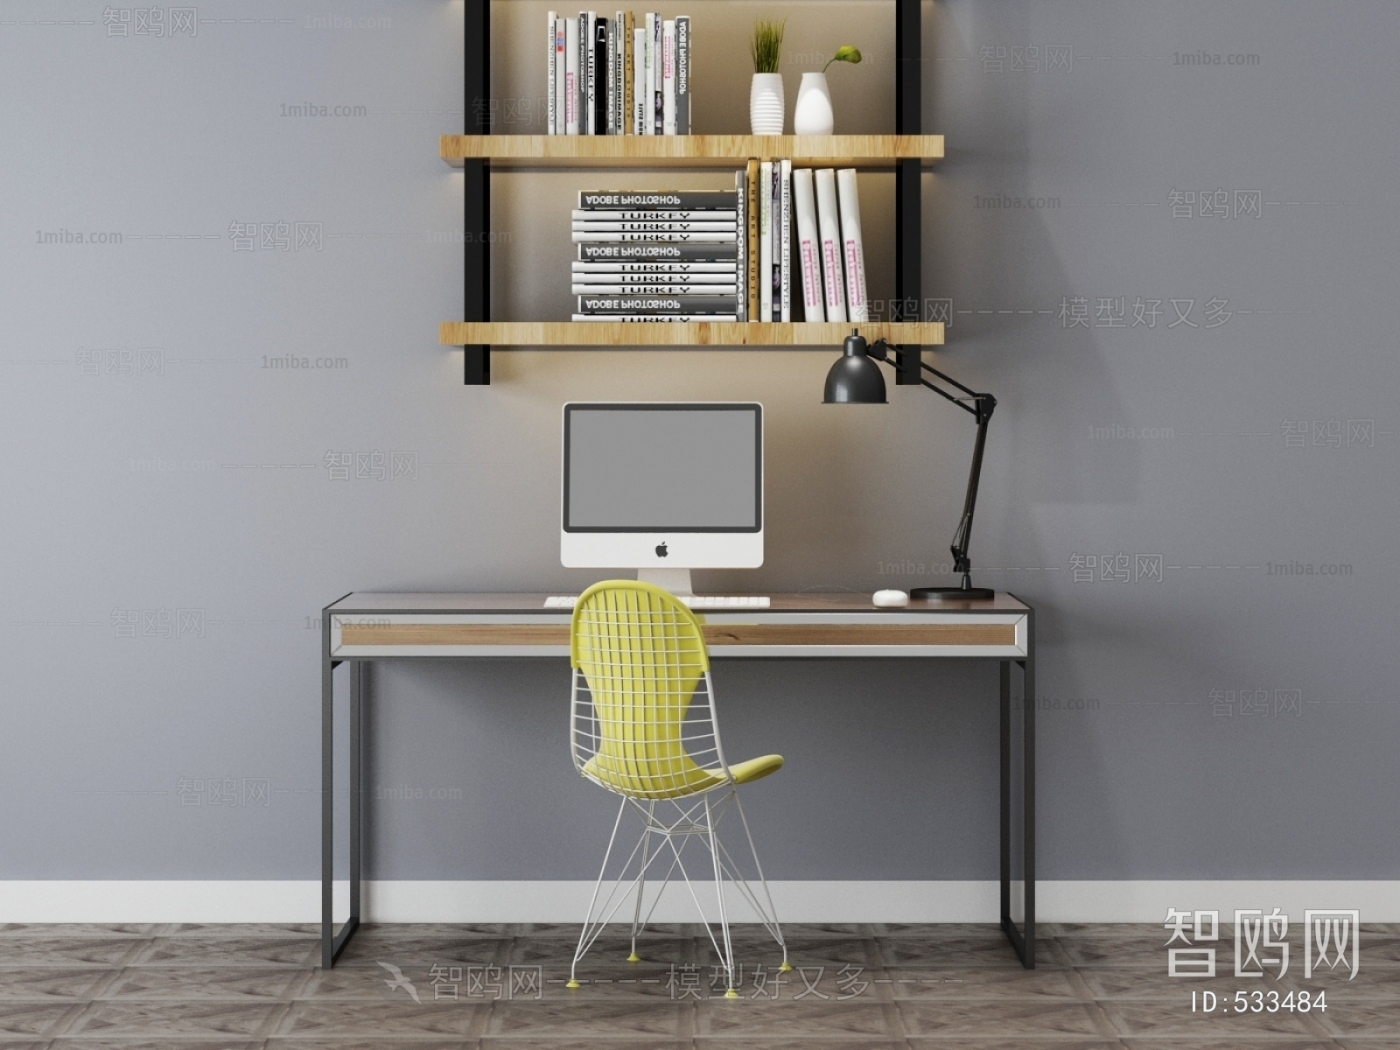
857 987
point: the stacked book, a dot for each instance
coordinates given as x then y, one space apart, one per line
618 76
659 256
810 219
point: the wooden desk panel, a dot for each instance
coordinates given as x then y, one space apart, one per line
372 626
818 634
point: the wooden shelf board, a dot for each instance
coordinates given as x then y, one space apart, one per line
688 151
681 334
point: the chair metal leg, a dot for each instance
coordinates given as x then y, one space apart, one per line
776 929
583 939
637 923
728 960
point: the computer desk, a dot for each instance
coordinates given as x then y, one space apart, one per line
363 627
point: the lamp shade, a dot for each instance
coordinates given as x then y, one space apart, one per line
855 379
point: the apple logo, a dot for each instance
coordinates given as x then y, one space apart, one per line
661 550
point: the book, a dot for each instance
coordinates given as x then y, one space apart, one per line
668 77
654 317
584 44
653 214
561 80
852 245
648 126
657 69
639 79
600 74
610 99
661 226
775 263
829 229
785 249
698 281
682 74
808 245
656 304
571 89
657 251
712 236
682 200
765 240
551 106
727 268
741 242
654 288
751 258
629 69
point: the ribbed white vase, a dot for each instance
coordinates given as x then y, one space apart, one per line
812 114
766 104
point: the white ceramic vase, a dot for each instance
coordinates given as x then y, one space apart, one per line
813 115
766 104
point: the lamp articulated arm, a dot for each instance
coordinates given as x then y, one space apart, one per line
981 406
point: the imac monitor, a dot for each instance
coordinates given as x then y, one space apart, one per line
663 486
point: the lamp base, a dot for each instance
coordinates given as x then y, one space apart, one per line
970 594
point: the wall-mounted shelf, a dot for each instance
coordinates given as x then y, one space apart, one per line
907 153
866 152
681 334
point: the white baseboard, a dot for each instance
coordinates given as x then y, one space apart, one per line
538 901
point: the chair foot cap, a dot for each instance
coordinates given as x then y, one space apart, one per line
634 957
572 984
731 994
786 967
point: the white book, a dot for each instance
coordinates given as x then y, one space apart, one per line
852 245
639 78
653 289
741 243
594 80
705 281
665 226
551 80
655 215
571 57
668 77
809 262
698 269
561 77
645 90
829 228
776 273
703 237
785 228
765 241
654 317
620 39
657 69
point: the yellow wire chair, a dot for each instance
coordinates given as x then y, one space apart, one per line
642 725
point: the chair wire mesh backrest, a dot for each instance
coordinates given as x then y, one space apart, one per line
638 727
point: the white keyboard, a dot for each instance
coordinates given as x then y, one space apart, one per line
694 601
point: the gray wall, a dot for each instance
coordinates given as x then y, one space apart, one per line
158 467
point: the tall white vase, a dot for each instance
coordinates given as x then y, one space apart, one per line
766 104
813 114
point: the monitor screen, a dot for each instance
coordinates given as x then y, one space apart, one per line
652 468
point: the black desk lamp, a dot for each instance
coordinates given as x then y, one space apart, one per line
855 379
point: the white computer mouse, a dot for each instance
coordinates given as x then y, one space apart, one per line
890 599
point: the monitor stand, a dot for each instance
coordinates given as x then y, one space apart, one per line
677 581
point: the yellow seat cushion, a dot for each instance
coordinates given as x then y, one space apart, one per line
684 778
756 768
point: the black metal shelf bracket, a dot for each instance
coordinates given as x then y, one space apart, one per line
908 227
476 186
